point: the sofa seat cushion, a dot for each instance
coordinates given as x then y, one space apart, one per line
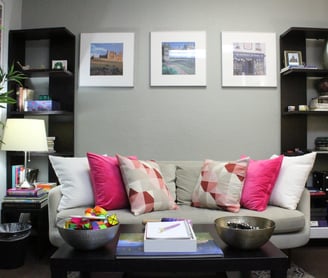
287 221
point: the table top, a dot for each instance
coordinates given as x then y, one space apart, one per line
107 253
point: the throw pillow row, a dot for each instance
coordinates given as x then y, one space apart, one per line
98 179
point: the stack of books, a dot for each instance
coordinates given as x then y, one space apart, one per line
28 198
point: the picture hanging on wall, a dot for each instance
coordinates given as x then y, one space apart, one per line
106 59
178 58
249 59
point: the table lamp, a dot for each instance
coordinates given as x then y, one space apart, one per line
27 135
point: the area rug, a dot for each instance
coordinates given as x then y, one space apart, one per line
293 272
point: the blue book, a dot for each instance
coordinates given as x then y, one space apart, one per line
130 245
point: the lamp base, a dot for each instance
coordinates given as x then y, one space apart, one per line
26 185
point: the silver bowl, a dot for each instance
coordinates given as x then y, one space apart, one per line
87 239
244 232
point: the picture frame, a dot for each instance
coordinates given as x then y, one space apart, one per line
178 58
106 60
292 58
59 65
249 59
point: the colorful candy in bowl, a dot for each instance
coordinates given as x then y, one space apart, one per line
90 231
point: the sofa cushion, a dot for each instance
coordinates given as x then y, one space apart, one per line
73 175
145 186
186 179
220 185
108 187
291 181
260 180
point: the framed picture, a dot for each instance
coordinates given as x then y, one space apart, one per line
293 58
178 58
59 64
249 59
107 59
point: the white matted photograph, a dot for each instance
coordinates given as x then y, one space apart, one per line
249 59
178 58
106 59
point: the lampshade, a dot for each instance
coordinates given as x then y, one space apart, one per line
28 135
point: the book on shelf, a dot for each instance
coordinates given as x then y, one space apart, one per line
306 67
25 192
25 199
131 246
169 237
26 205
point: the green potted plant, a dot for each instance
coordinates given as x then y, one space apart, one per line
11 76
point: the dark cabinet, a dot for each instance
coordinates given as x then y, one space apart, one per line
35 53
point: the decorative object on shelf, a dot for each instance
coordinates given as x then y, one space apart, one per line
178 58
322 86
27 135
244 232
23 95
293 58
59 64
325 55
249 59
107 59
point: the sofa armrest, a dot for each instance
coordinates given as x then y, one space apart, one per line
304 206
54 198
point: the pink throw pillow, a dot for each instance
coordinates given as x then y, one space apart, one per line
260 179
106 179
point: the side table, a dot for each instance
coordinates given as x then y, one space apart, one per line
10 212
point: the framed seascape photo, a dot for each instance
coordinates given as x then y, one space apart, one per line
107 59
178 58
249 59
293 58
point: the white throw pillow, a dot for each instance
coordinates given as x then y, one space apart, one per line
73 175
291 180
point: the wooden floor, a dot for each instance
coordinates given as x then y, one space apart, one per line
312 258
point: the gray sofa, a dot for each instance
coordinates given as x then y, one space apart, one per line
292 226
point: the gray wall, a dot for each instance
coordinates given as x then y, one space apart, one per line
177 123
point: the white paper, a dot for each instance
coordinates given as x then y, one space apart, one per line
169 230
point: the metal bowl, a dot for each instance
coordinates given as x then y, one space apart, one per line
244 232
87 239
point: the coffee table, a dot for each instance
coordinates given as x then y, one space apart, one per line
268 257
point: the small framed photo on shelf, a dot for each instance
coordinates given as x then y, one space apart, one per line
293 58
59 65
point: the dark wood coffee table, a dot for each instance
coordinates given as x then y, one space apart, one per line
268 257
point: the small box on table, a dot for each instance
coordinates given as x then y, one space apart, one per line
176 236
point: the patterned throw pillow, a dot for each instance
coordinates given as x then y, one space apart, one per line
220 185
145 186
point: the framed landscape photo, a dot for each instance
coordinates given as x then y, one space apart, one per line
249 59
107 59
293 58
178 58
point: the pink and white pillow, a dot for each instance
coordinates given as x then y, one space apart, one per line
220 185
145 186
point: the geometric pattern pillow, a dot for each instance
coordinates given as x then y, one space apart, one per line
145 186
220 185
